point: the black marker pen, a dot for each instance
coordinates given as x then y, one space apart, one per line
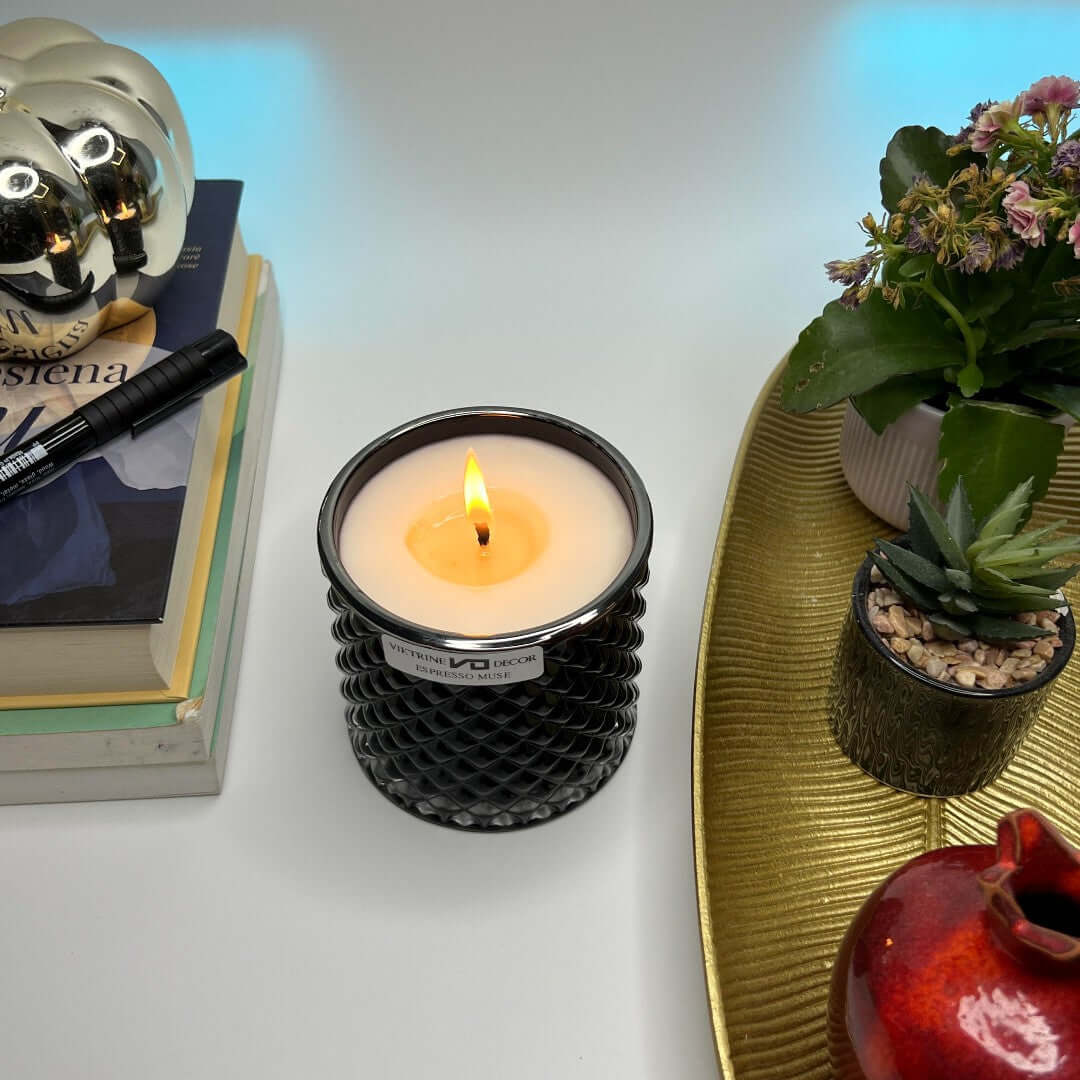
138 404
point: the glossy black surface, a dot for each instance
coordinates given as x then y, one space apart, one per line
494 758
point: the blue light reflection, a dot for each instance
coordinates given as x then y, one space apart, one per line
255 110
897 64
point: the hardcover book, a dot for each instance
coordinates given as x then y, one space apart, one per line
98 562
147 750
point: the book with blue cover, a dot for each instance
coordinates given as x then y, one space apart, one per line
104 556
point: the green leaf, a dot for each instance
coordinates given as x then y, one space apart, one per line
1013 317
920 539
991 543
886 403
1028 539
1058 263
960 579
1064 398
1040 331
844 353
1050 362
916 266
990 629
1013 563
988 300
917 149
969 379
959 519
995 447
1051 579
1005 605
1001 368
932 522
1019 571
949 629
915 566
1008 514
1056 307
914 592
957 603
994 583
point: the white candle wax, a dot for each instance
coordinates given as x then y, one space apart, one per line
589 535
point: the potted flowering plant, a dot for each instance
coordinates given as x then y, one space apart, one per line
956 340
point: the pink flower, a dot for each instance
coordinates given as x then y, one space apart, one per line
1057 90
1074 237
1024 215
991 120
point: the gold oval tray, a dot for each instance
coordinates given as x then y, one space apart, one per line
789 836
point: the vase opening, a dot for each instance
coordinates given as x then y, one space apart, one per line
1033 891
1046 879
1055 911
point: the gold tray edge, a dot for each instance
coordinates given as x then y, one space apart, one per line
708 946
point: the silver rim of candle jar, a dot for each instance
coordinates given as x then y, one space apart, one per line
487 420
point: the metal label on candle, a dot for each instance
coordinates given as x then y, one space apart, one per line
495 666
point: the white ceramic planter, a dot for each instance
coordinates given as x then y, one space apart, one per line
879 468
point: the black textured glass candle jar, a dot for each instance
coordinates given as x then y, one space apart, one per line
489 732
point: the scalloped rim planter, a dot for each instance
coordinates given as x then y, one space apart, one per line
879 468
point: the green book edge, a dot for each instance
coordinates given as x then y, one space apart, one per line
126 717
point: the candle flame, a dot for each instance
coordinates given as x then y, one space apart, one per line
57 244
477 504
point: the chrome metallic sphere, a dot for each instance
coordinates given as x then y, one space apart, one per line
96 180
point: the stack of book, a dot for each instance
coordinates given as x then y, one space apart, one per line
124 582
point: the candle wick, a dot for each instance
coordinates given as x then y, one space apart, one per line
483 532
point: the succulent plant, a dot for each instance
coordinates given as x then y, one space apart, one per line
968 579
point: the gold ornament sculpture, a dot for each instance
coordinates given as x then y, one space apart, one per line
96 180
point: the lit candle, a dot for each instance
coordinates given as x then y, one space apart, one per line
534 533
486 568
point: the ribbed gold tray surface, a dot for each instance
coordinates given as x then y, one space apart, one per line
790 837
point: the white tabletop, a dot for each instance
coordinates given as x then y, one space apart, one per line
613 211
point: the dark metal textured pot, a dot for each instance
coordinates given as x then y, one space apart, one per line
491 757
914 733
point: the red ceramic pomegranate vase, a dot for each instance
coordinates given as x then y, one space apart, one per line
965 964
